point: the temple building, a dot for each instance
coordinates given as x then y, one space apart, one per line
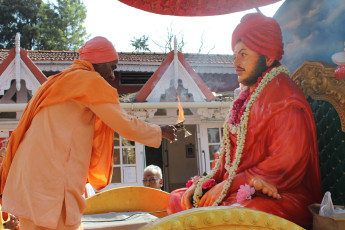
148 85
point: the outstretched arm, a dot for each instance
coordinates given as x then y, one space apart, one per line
127 126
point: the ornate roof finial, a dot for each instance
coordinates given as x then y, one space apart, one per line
17 61
175 63
175 45
17 40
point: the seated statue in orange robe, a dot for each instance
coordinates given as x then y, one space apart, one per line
269 139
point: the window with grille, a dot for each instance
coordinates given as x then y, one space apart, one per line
214 136
124 161
134 78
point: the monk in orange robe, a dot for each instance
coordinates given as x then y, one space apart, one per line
269 157
65 138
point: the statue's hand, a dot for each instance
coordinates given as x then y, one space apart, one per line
186 201
212 195
265 187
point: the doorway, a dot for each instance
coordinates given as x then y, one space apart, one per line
182 159
178 160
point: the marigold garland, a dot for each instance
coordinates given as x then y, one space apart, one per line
241 130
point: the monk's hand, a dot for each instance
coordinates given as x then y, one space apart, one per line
187 198
265 187
169 132
13 223
211 195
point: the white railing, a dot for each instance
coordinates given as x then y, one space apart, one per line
146 105
131 106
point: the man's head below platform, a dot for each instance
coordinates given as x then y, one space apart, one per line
101 53
153 177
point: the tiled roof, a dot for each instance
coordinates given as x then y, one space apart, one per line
46 55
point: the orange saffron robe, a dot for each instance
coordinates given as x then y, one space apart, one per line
281 147
64 138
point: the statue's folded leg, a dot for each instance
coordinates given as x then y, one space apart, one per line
288 207
175 201
291 206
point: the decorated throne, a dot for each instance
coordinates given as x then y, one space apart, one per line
326 96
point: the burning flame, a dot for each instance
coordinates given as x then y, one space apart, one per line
180 111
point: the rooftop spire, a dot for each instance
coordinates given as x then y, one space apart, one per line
17 61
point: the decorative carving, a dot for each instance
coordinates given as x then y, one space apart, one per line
209 218
255 218
241 215
31 81
7 76
11 74
222 218
282 225
269 221
145 114
191 222
176 225
317 81
213 114
227 216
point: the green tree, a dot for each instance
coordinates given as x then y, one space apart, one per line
19 16
141 43
50 29
72 14
43 26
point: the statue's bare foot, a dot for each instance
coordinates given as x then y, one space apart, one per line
265 187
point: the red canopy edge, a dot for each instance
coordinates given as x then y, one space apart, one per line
196 7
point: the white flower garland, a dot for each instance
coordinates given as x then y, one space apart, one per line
241 131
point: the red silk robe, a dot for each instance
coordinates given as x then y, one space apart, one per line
281 147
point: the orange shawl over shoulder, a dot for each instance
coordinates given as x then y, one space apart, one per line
79 83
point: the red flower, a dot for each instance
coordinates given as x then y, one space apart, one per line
189 183
208 184
240 104
239 107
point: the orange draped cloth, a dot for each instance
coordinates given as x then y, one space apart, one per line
75 83
281 148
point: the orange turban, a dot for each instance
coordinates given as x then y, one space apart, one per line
260 34
98 50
